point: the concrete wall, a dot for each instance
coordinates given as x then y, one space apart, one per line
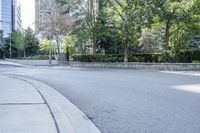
33 62
149 66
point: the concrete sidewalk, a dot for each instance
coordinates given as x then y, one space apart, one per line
8 63
28 106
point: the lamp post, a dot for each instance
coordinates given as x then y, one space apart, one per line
50 59
10 49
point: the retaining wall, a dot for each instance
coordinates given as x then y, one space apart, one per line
150 66
33 62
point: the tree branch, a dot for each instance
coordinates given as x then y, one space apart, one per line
115 8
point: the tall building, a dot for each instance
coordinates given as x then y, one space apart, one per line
10 16
17 22
40 17
42 6
6 24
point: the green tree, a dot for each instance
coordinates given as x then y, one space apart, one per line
106 30
187 37
68 44
82 36
31 42
47 45
18 40
125 24
85 14
150 40
127 15
172 16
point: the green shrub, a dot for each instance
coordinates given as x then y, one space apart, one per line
183 56
37 57
98 58
117 58
195 61
170 56
146 57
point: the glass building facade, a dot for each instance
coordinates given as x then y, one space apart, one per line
6 17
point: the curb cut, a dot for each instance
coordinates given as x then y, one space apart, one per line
67 116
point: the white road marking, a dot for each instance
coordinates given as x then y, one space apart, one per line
188 88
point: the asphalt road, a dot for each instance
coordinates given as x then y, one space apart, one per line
126 101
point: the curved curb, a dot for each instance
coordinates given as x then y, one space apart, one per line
67 116
6 63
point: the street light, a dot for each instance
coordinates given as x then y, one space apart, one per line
50 59
10 49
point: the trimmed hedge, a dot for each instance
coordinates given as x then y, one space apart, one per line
37 57
146 57
166 56
182 56
118 58
98 58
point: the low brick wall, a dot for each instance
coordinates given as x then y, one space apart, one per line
33 62
148 66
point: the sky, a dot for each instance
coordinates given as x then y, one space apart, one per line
28 13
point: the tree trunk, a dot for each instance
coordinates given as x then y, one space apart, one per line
24 53
125 53
18 54
94 46
67 53
167 35
58 47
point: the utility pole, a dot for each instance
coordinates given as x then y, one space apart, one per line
10 48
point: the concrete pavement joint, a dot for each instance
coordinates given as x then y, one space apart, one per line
55 122
21 103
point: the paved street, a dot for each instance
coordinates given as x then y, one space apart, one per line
126 101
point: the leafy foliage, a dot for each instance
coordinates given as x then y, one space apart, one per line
47 45
183 56
18 39
31 42
116 26
68 44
